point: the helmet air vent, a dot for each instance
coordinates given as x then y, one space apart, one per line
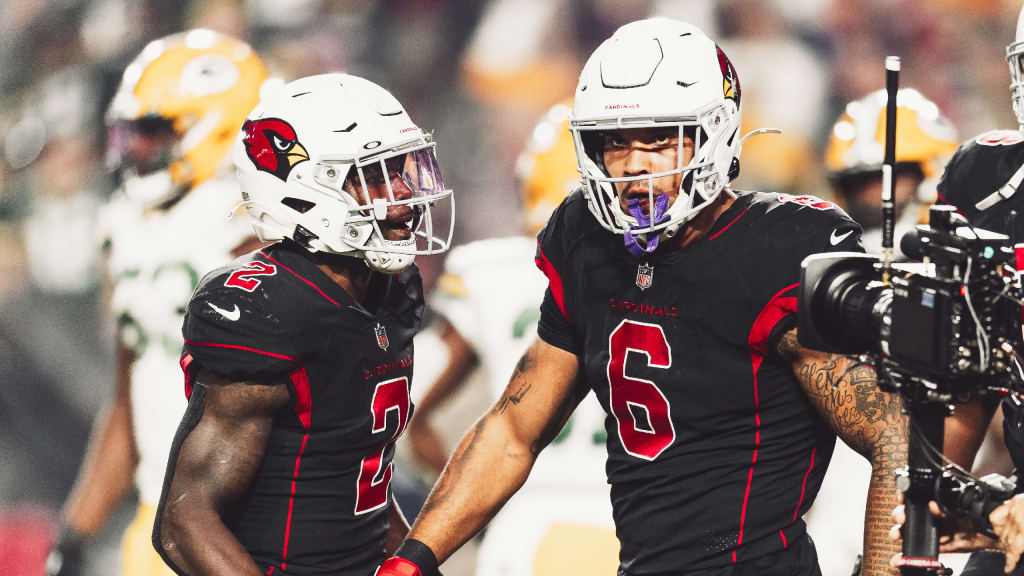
299 205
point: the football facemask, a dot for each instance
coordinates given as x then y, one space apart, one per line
390 198
645 206
142 153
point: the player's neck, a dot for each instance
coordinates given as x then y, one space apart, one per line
705 221
350 273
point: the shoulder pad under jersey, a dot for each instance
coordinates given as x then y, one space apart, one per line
241 324
569 223
804 223
791 228
980 167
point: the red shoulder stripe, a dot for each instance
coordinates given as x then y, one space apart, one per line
554 281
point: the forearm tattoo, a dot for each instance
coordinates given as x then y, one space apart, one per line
870 421
516 389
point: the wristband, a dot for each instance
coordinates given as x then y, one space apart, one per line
420 554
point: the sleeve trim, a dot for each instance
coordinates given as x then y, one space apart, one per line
246 348
186 367
777 308
299 378
554 280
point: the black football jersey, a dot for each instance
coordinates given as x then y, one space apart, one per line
980 167
318 503
714 452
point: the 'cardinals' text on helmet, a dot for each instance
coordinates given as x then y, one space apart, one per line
1015 57
336 164
546 168
177 111
924 137
652 74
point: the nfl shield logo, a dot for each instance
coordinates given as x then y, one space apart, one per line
644 276
382 336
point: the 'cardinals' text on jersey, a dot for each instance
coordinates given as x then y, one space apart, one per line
714 452
318 503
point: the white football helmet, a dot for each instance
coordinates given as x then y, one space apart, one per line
311 160
1015 57
658 73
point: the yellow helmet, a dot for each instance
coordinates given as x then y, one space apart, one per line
546 168
923 135
178 111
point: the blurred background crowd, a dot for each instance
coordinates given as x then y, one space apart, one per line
478 72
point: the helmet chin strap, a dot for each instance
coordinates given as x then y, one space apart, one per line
388 262
638 244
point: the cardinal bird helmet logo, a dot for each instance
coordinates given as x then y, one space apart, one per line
730 80
272 146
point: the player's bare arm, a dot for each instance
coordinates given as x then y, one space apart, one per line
423 438
965 431
111 458
870 421
398 528
214 465
495 456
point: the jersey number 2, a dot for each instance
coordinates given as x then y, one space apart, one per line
374 478
244 278
641 409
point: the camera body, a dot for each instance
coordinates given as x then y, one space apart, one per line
938 333
941 331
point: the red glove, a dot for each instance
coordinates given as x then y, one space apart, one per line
398 567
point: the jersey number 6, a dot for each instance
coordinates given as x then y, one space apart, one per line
374 478
641 409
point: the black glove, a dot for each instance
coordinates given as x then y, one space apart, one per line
65 558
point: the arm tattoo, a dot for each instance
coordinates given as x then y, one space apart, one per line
515 392
870 421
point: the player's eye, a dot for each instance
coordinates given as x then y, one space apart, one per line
614 141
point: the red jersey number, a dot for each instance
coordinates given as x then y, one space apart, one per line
244 278
641 409
1000 138
374 477
812 201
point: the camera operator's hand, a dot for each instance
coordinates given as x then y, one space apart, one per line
1008 523
955 534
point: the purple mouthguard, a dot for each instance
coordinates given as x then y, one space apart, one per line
633 243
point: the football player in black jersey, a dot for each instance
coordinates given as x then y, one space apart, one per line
982 181
298 357
720 425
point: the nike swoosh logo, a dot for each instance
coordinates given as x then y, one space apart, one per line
837 239
233 315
